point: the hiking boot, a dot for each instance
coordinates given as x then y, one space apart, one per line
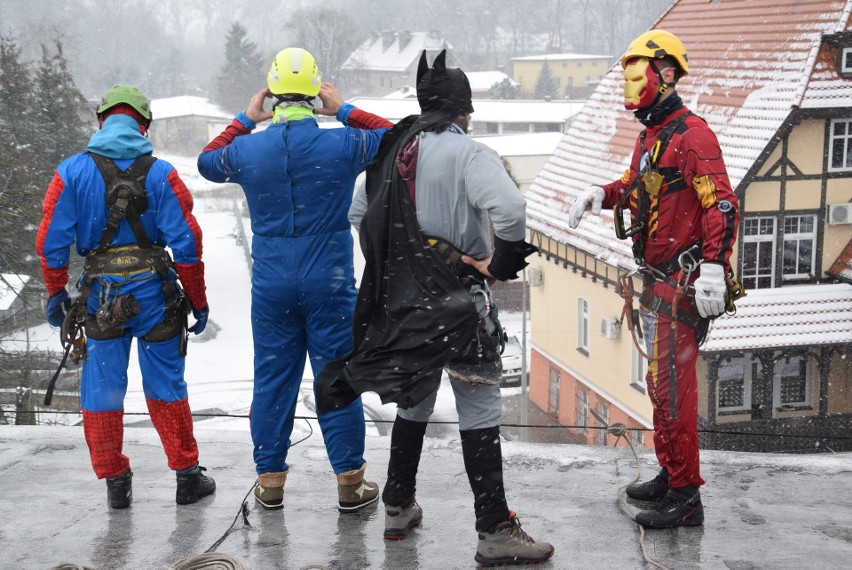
508 545
400 520
680 507
269 491
193 486
353 492
120 490
651 490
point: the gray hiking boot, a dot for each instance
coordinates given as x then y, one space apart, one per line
269 491
353 493
508 545
400 520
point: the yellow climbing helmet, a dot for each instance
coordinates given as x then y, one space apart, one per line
294 71
655 44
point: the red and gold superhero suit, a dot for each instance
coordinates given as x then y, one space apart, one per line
694 204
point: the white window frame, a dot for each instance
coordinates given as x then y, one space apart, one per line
844 56
845 140
754 240
582 419
748 363
776 383
583 331
638 369
798 238
553 392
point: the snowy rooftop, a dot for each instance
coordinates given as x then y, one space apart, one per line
522 144
807 315
842 266
756 63
488 111
400 54
185 106
762 510
484 80
10 286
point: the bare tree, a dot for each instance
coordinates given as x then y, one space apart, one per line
330 35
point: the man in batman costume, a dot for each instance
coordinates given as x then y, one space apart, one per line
425 215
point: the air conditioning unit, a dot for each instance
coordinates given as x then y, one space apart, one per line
536 276
610 327
840 214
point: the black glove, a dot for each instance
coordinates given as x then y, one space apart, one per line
509 258
57 307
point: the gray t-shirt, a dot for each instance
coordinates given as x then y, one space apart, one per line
460 184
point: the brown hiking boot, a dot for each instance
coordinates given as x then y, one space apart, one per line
508 545
269 491
353 492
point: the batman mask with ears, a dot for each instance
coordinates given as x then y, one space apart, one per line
441 89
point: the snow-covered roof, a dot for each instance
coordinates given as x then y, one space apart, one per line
485 110
484 80
397 55
752 62
522 144
806 315
185 106
561 57
10 286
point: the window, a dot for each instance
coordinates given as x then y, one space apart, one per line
582 408
758 252
799 247
792 385
583 326
603 412
553 397
638 368
735 384
638 440
846 61
840 144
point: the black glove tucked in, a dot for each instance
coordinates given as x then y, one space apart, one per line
509 258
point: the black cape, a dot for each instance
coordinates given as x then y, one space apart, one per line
412 315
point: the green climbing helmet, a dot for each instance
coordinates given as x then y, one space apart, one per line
127 94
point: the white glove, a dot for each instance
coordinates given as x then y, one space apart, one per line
710 290
591 199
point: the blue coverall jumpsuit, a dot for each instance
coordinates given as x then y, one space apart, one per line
298 181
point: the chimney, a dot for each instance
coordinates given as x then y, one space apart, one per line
404 38
388 36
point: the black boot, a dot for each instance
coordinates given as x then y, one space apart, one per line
406 447
483 461
651 490
192 487
120 490
680 507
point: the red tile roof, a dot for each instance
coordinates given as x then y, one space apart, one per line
842 266
751 63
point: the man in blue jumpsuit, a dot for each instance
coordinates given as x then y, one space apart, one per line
298 180
127 268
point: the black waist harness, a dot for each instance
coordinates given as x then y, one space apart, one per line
127 199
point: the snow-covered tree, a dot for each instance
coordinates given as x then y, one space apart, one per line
243 73
505 89
546 84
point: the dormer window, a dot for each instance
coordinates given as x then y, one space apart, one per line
846 62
